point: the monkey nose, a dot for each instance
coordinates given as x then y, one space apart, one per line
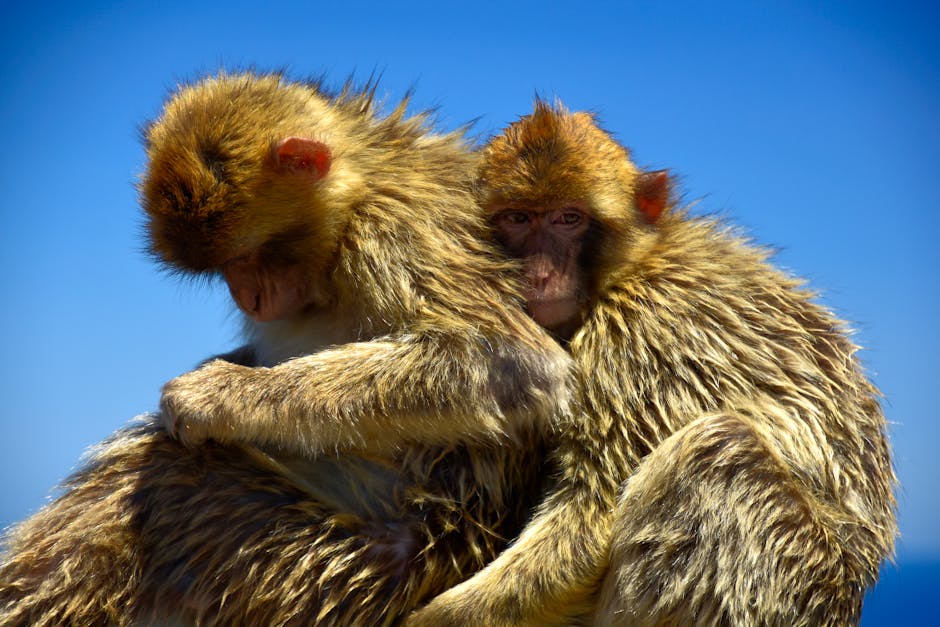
540 281
540 271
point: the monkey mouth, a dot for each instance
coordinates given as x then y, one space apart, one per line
552 304
542 299
544 309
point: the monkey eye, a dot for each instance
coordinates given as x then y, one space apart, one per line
512 216
569 217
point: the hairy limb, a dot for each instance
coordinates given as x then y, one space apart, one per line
714 529
547 577
552 571
372 395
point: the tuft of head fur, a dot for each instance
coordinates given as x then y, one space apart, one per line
206 157
553 154
211 189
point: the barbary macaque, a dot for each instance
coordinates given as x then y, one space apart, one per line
730 465
389 441
353 247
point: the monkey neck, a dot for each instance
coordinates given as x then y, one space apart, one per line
280 340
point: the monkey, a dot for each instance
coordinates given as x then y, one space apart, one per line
381 435
332 231
729 463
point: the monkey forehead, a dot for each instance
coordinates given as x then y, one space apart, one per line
498 205
552 154
552 177
536 173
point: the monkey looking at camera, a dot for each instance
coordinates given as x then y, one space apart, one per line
385 324
731 464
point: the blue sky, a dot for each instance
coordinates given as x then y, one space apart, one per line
816 128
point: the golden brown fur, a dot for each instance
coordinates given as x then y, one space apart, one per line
151 532
731 464
418 318
436 390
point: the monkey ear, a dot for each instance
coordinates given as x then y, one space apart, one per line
303 156
652 193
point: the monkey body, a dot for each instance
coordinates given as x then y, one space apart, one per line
149 531
381 436
729 465
765 466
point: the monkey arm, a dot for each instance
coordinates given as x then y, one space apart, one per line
553 568
372 395
551 571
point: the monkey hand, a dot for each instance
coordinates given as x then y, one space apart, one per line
200 405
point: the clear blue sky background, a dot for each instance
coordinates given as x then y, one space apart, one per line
817 128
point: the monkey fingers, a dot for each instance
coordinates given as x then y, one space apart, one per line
198 405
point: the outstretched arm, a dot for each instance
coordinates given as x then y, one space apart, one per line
372 395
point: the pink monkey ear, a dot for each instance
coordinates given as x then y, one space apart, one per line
303 156
652 193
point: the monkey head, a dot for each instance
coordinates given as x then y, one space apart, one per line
566 199
243 183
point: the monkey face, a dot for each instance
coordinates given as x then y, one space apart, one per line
550 242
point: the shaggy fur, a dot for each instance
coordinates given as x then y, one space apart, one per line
151 532
436 386
758 483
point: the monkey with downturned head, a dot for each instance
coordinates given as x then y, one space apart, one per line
730 464
353 247
381 436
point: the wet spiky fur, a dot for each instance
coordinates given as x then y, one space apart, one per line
758 483
396 462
